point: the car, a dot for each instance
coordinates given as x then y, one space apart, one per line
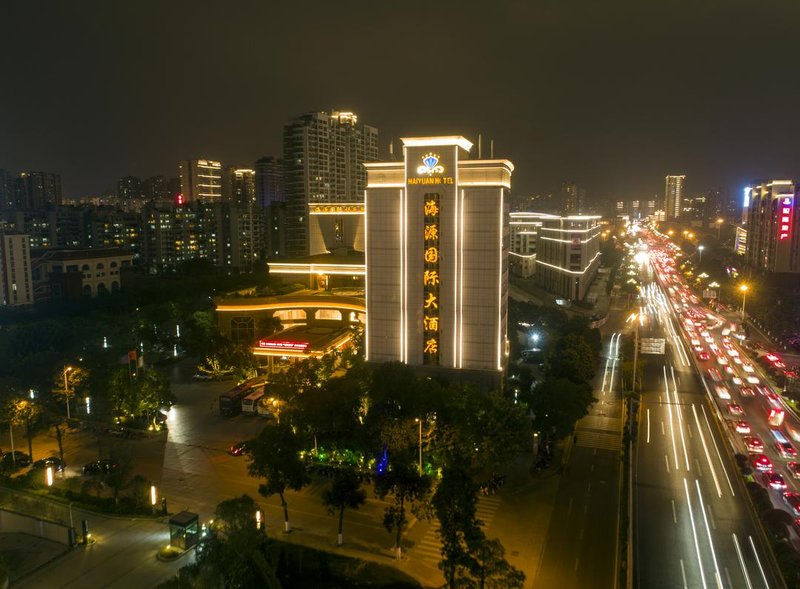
786 450
704 333
199 376
714 374
748 368
722 391
761 462
735 409
52 461
729 370
754 444
737 381
773 480
747 392
792 501
696 342
722 360
709 339
731 352
752 379
794 469
703 355
713 347
96 467
741 426
699 349
15 459
737 360
238 449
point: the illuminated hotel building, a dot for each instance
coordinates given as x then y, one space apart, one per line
201 180
673 196
437 260
524 229
771 217
568 254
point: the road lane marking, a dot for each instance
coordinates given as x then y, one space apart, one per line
680 418
711 516
708 532
648 425
741 562
671 424
758 560
694 535
683 574
674 513
724 470
666 460
708 456
663 431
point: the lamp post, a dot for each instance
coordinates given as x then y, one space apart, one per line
720 221
66 388
419 422
743 288
700 249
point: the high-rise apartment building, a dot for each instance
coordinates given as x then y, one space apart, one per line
673 196
7 200
270 186
155 188
16 282
37 190
324 156
239 185
573 198
771 221
129 188
437 260
201 180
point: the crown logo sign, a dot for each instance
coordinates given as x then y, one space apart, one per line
430 165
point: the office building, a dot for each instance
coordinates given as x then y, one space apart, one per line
771 221
201 181
323 158
524 231
568 254
269 181
437 260
129 188
37 190
673 196
16 283
7 199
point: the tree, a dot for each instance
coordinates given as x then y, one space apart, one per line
403 482
455 504
487 566
21 411
345 491
558 403
275 457
572 358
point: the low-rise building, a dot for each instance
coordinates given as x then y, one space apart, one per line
72 274
568 254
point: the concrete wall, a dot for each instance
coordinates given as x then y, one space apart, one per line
13 522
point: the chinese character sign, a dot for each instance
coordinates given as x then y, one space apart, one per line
430 279
785 224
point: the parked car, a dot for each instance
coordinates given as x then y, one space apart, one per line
19 460
104 466
238 449
53 461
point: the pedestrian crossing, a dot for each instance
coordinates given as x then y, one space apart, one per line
598 439
429 549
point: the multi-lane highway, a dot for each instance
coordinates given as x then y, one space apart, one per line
693 526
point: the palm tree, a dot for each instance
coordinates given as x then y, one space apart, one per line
345 491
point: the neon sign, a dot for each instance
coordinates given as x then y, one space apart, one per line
430 276
283 345
785 218
430 165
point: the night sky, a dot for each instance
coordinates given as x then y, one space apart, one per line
613 95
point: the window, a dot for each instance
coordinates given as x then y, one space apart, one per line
242 329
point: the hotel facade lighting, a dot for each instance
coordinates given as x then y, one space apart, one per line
437 258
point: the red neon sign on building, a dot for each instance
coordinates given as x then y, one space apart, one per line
283 345
785 219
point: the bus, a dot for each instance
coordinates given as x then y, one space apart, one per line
230 403
250 402
775 411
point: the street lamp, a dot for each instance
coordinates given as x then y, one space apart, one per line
419 421
743 288
700 249
66 388
720 221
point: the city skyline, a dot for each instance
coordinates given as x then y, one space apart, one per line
96 116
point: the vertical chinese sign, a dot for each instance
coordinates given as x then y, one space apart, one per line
785 218
430 280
